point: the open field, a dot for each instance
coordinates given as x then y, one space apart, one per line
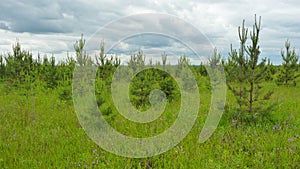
38 130
45 106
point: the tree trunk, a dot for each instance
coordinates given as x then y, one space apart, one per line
251 90
241 86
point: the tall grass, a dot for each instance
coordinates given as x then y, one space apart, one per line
41 131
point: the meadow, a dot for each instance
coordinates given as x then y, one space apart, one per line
260 126
39 130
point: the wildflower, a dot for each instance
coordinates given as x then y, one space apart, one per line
290 140
276 127
234 121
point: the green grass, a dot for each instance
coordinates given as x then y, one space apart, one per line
41 131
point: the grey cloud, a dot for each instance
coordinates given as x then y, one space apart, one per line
150 40
4 26
52 16
217 19
25 17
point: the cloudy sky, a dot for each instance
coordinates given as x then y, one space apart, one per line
53 26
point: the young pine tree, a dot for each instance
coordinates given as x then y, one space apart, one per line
2 67
214 63
255 72
289 65
254 52
82 58
270 71
236 69
106 66
244 69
